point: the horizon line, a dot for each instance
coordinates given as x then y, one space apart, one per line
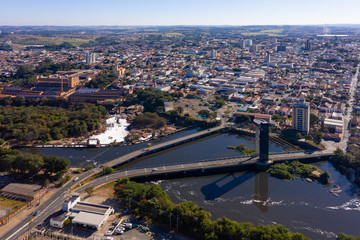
185 25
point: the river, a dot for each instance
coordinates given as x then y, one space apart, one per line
304 207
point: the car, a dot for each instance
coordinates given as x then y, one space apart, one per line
75 179
36 213
108 233
154 169
126 210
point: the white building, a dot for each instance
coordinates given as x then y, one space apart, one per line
59 221
301 116
83 213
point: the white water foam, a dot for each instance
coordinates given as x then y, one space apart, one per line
352 205
116 130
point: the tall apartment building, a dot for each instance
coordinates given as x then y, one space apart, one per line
247 43
90 58
308 45
301 116
213 53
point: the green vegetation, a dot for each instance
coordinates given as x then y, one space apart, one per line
343 236
244 150
153 100
348 164
219 102
43 123
107 171
131 138
295 169
31 164
48 66
153 204
102 81
14 205
149 119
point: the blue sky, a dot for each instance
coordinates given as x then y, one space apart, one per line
176 12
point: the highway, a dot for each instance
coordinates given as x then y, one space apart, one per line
45 210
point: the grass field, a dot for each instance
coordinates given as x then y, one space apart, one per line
11 204
41 40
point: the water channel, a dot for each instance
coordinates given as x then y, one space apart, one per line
303 207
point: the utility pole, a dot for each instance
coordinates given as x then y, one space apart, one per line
170 221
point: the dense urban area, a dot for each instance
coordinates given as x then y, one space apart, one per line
106 87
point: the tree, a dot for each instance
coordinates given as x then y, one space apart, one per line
54 164
6 162
242 119
313 119
204 113
317 137
24 71
108 170
179 110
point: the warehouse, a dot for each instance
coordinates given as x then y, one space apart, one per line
86 214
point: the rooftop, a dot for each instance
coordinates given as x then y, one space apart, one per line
22 189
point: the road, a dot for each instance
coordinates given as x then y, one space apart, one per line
343 144
45 210
347 118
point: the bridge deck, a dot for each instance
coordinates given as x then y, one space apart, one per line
203 166
161 146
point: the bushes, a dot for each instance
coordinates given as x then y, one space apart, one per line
244 150
149 120
293 170
108 170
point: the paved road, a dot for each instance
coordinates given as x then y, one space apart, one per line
46 209
347 118
343 144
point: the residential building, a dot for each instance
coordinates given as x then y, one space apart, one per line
301 116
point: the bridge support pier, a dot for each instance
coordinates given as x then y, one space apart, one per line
262 139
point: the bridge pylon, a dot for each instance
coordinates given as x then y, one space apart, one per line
262 140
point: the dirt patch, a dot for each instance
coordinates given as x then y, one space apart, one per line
317 173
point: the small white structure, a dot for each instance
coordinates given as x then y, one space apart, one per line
58 222
70 203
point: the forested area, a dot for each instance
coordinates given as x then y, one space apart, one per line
45 123
153 204
102 81
148 119
31 164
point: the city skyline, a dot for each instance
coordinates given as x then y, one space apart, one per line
165 13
